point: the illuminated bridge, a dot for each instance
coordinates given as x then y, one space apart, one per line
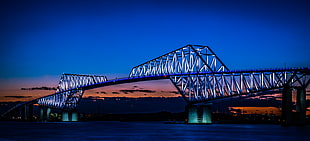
197 73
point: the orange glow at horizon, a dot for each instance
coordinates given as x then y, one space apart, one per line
156 88
260 110
257 110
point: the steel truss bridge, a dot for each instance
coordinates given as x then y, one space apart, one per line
195 70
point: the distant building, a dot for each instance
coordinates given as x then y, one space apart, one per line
256 110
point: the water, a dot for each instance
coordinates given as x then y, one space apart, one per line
113 130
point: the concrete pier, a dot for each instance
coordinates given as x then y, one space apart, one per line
74 116
301 106
69 116
65 116
199 114
27 112
288 116
45 113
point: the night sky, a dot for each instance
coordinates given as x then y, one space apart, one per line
40 40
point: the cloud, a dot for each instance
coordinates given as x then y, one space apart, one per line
132 91
174 92
102 92
40 88
115 92
94 97
18 96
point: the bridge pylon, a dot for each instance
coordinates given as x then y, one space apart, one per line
44 113
69 116
26 112
199 113
293 115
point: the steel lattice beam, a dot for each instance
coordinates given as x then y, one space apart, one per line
68 92
190 58
208 86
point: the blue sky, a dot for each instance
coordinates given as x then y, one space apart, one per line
40 38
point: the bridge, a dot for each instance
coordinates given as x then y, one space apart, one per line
197 73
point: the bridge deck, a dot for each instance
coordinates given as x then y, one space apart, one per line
167 76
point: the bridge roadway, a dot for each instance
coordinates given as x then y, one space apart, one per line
158 77
167 76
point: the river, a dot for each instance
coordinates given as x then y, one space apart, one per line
114 130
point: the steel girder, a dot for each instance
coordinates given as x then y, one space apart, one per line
69 91
208 86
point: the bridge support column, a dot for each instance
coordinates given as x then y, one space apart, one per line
69 116
45 113
301 105
199 114
23 112
286 117
27 112
74 116
65 116
30 112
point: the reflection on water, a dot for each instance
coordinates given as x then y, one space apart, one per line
107 130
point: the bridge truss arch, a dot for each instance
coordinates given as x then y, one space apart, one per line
188 59
199 75
69 91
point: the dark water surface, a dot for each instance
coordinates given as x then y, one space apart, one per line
110 130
